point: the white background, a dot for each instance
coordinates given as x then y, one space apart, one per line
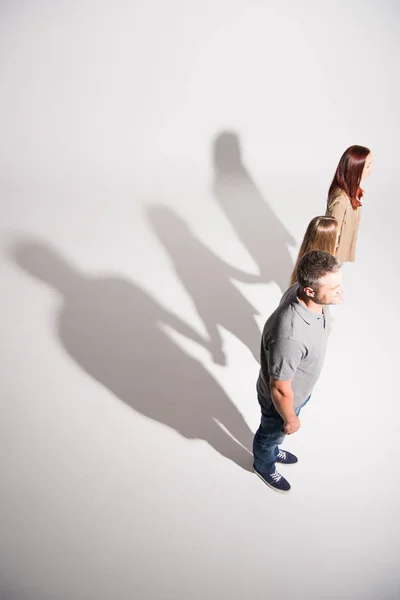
117 482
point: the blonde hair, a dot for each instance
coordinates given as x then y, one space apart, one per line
321 234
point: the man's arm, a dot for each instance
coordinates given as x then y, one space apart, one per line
284 357
282 398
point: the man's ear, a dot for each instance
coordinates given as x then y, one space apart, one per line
309 292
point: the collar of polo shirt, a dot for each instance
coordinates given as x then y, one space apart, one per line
305 313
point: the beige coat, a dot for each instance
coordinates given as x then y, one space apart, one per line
340 207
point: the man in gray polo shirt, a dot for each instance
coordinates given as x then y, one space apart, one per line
292 354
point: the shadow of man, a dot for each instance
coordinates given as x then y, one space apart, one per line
207 279
115 331
258 228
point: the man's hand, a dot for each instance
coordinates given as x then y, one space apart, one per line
291 426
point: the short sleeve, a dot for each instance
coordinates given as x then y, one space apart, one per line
284 356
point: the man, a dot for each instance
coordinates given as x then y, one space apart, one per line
292 353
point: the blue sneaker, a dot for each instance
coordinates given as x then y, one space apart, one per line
275 481
286 458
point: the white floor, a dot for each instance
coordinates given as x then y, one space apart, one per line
125 244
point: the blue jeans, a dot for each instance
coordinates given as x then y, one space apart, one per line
267 439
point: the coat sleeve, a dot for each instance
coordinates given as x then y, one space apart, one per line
337 209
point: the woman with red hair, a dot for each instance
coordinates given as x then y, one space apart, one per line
345 199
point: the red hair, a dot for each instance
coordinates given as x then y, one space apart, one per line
348 174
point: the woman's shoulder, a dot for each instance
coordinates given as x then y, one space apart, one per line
339 197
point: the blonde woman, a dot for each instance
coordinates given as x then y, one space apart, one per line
322 235
345 199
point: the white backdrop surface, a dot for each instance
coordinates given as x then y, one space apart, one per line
159 164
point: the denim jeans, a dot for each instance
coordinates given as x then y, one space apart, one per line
267 439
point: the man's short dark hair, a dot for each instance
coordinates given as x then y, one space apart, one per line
313 266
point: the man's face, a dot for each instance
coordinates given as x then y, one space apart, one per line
330 290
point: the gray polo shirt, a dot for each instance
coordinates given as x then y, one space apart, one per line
293 347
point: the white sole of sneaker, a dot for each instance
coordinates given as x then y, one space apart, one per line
271 486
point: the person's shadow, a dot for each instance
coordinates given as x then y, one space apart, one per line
256 225
207 279
116 332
